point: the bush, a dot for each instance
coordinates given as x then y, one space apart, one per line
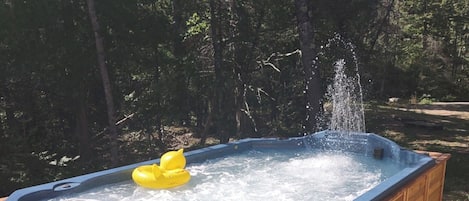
426 99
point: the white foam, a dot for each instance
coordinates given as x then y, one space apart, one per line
263 176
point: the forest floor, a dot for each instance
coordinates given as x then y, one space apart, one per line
440 127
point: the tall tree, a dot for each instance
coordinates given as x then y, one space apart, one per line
313 93
242 46
106 81
220 91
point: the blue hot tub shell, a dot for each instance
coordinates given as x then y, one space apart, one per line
362 143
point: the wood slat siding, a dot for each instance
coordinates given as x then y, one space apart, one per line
426 187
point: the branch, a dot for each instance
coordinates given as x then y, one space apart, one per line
126 117
277 56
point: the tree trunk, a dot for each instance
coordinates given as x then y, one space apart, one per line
313 93
106 82
159 127
238 35
207 124
181 94
82 133
216 30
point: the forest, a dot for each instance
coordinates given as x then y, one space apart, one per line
79 77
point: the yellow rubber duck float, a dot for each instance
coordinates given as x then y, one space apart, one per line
169 174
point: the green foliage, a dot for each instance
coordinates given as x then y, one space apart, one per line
426 99
196 25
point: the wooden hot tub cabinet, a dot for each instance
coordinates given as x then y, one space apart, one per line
428 186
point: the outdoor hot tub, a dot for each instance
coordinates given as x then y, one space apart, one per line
414 175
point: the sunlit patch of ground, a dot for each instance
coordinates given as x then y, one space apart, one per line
458 110
461 145
397 136
456 114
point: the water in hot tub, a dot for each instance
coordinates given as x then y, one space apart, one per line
262 175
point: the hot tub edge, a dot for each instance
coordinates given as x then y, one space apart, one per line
428 185
421 181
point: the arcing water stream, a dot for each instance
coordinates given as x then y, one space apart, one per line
344 94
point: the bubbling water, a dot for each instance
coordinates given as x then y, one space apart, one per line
263 175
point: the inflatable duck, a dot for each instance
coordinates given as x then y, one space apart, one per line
169 174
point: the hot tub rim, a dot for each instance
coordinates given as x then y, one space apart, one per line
46 191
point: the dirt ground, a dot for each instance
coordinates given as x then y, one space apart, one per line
458 110
441 127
